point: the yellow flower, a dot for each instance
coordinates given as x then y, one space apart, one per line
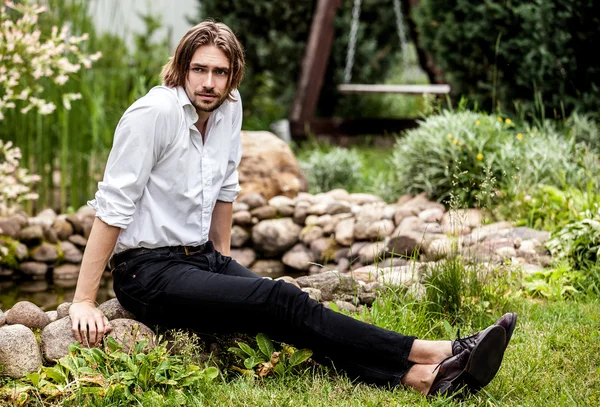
508 121
455 141
477 122
500 119
449 136
519 136
480 156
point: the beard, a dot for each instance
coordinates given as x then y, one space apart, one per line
210 106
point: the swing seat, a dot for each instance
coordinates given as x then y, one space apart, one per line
397 89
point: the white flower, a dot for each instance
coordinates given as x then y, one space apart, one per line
61 79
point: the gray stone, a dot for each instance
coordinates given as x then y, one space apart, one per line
10 227
528 269
298 257
338 207
323 249
245 256
56 338
300 213
430 228
318 209
71 253
66 272
22 251
113 309
417 291
343 265
19 351
52 316
45 252
240 206
78 240
34 269
313 293
362 199
371 252
346 306
403 276
50 235
431 215
242 218
63 228
128 332
32 235
2 318
481 233
264 212
63 309
331 283
526 233
285 206
406 244
28 314
253 200
408 224
275 236
338 194
506 252
310 233
239 236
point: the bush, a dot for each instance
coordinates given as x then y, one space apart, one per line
335 168
536 54
472 159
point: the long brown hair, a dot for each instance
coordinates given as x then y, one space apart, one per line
208 32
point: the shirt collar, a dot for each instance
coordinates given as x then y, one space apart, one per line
189 109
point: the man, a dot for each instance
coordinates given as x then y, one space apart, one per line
164 212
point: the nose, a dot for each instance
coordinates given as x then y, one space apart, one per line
208 81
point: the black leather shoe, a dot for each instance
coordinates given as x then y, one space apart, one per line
506 321
472 369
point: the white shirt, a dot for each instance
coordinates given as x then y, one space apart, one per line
161 181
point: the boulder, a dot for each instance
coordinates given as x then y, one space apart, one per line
242 218
28 314
71 253
128 332
285 206
264 212
52 315
19 351
331 283
344 232
313 293
2 318
310 233
113 309
32 235
289 280
62 228
268 166
431 215
268 268
56 338
45 252
275 236
245 256
63 309
10 227
66 271
78 240
298 257
239 236
34 269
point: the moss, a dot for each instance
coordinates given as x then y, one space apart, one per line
10 260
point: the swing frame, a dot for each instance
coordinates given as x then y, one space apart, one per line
302 121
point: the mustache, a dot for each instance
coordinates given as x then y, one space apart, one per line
206 91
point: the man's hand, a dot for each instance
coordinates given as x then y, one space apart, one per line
89 323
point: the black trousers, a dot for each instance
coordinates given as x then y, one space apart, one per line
209 292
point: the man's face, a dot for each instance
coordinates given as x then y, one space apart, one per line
207 79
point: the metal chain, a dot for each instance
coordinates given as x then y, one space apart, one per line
352 42
401 32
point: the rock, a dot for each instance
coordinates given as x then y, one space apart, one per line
45 252
330 283
34 269
455 222
526 233
2 318
400 214
268 268
240 206
264 212
301 212
274 236
242 218
35 286
28 314
338 194
527 268
5 271
32 235
66 272
239 236
417 291
289 280
268 166
10 227
378 230
338 207
128 332
403 276
310 233
313 293
343 265
78 240
371 252
346 306
63 309
245 256
50 235
21 250
408 224
323 249
45 217
56 338
506 252
298 257
361 199
481 233
63 228
19 351
430 228
419 203
366 274
71 253
113 309
431 215
52 316
75 221
441 247
319 208
285 206
406 244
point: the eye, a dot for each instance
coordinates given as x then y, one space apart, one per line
197 69
221 72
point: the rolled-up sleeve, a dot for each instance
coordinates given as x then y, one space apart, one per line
231 186
139 138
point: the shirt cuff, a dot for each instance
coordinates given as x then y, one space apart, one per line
229 194
112 206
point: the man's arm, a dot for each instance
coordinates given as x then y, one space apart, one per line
88 323
220 227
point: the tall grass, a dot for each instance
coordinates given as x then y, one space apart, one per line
69 147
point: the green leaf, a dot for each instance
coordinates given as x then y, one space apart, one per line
34 377
210 373
300 356
238 352
265 345
247 349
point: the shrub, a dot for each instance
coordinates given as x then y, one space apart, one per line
585 130
15 182
530 53
335 168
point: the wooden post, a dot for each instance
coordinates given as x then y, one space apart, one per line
314 63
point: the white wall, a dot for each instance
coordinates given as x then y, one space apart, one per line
120 16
